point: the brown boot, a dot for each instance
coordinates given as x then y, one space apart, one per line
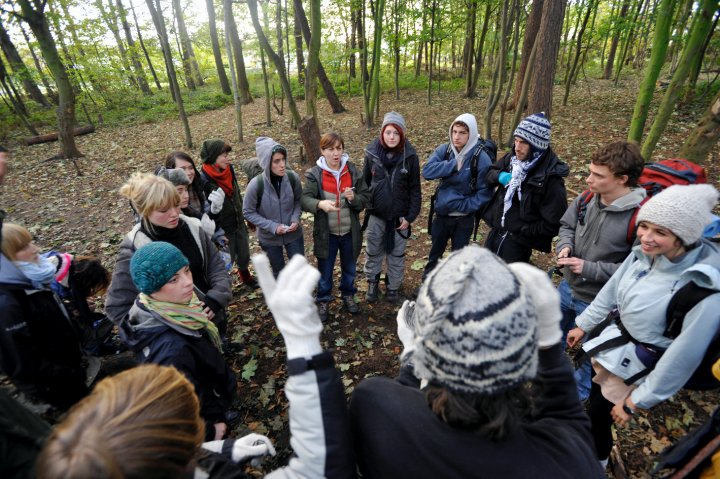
248 279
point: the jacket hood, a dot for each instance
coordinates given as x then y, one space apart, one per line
322 163
628 201
11 275
263 150
701 264
143 326
471 122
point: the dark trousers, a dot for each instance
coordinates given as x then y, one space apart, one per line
503 244
276 257
457 229
601 422
343 244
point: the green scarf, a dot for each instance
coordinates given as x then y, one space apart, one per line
189 316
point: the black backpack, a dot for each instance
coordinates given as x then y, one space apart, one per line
487 146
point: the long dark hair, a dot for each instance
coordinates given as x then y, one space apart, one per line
494 416
196 184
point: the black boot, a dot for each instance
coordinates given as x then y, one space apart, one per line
372 292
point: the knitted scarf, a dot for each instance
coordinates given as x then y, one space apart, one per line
189 316
519 173
223 178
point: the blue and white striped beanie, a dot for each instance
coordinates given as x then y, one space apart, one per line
475 325
535 129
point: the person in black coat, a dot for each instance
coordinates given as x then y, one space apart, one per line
525 211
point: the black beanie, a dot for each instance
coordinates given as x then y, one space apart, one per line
210 150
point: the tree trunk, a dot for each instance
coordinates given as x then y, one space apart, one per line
618 26
17 65
498 80
531 30
578 51
663 21
330 94
373 97
628 38
705 135
134 58
524 89
231 30
541 91
110 18
188 53
313 61
701 27
66 96
159 21
212 24
299 56
396 15
46 83
679 29
236 95
431 57
469 50
353 43
509 89
38 139
422 43
697 64
145 52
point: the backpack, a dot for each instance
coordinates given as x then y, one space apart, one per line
655 177
294 181
487 146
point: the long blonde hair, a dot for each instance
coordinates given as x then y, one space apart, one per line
148 193
142 423
14 239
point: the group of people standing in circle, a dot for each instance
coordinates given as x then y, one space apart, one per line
170 285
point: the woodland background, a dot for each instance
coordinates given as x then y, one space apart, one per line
136 80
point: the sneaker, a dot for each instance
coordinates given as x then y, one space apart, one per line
323 311
372 292
392 296
350 304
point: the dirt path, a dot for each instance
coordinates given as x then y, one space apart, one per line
84 215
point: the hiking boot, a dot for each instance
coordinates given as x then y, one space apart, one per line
392 296
323 311
372 292
350 304
248 279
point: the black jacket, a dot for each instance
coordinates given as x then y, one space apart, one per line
535 220
395 191
230 218
39 348
192 352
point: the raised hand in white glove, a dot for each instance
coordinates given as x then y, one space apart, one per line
546 300
247 447
405 325
291 302
216 199
207 225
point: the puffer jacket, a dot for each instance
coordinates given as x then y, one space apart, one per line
39 348
311 196
601 241
455 194
157 341
122 291
641 290
395 191
274 209
535 220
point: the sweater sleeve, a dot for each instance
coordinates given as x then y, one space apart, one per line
319 426
297 198
558 398
250 208
436 166
568 224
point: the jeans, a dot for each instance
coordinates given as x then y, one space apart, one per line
344 244
571 308
276 257
457 229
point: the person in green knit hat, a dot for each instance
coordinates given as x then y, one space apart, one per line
223 192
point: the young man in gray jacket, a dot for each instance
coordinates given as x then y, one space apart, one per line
595 232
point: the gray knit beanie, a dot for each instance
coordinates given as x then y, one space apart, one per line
176 176
475 325
535 129
683 209
393 118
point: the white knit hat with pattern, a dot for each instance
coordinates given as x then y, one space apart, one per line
475 325
683 209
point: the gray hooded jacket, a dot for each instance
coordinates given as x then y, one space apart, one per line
274 209
601 241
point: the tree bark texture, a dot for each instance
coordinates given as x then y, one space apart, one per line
705 135
20 69
231 30
217 54
541 91
134 57
618 25
531 30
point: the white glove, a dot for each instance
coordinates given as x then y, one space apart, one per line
291 302
216 199
247 447
405 331
207 225
546 300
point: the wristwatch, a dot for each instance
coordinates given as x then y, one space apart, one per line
627 409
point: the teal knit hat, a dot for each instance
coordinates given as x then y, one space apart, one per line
154 264
210 150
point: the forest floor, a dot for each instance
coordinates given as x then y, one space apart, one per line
85 215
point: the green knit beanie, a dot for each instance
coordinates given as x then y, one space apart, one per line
210 150
152 266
